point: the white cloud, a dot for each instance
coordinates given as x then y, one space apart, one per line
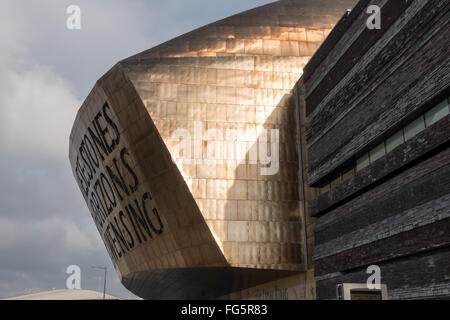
38 109
69 235
37 106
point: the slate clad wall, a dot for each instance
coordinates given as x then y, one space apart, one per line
386 85
360 87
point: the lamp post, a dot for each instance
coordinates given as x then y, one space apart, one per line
104 283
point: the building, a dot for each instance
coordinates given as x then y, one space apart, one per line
376 105
212 171
186 157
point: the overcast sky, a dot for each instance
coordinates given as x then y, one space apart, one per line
46 71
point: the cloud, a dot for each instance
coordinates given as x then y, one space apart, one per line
37 111
45 227
21 233
38 253
46 71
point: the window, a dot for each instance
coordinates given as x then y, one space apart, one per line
347 174
324 189
425 120
377 152
414 127
437 113
336 181
394 141
362 162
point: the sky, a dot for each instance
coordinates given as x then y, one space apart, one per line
46 71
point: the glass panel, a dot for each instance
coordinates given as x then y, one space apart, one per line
362 162
437 113
336 181
324 189
394 141
414 128
347 174
377 152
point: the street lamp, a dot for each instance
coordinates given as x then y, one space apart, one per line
104 283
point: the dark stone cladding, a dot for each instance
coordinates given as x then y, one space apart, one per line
406 41
399 219
436 136
390 12
422 276
361 87
407 194
335 35
431 236
409 70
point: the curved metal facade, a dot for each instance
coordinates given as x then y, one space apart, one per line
186 153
